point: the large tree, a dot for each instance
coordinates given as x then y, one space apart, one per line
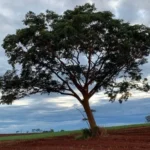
82 51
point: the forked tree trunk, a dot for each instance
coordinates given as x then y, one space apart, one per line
90 117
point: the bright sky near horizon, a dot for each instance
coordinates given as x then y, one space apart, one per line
56 111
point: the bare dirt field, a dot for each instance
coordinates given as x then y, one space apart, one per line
125 139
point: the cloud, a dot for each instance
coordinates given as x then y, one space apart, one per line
135 11
46 115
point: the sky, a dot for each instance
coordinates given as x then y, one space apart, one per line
61 112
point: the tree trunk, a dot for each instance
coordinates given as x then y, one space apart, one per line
90 117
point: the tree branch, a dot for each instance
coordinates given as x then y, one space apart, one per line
97 86
73 78
69 87
88 70
63 93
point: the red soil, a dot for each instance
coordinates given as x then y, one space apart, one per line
125 139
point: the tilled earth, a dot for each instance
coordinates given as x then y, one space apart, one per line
125 139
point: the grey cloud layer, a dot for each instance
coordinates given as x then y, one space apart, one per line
135 11
48 115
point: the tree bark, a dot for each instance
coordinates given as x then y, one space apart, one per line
90 117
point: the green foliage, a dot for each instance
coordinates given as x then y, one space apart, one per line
50 48
62 130
96 131
147 118
86 133
51 130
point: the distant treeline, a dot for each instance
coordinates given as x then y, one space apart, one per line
38 131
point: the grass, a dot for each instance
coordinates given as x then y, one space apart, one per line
54 134
128 126
38 135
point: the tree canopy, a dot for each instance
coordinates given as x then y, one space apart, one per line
83 50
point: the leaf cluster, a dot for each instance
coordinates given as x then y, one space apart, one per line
82 49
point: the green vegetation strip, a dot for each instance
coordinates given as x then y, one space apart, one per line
128 126
54 134
38 135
